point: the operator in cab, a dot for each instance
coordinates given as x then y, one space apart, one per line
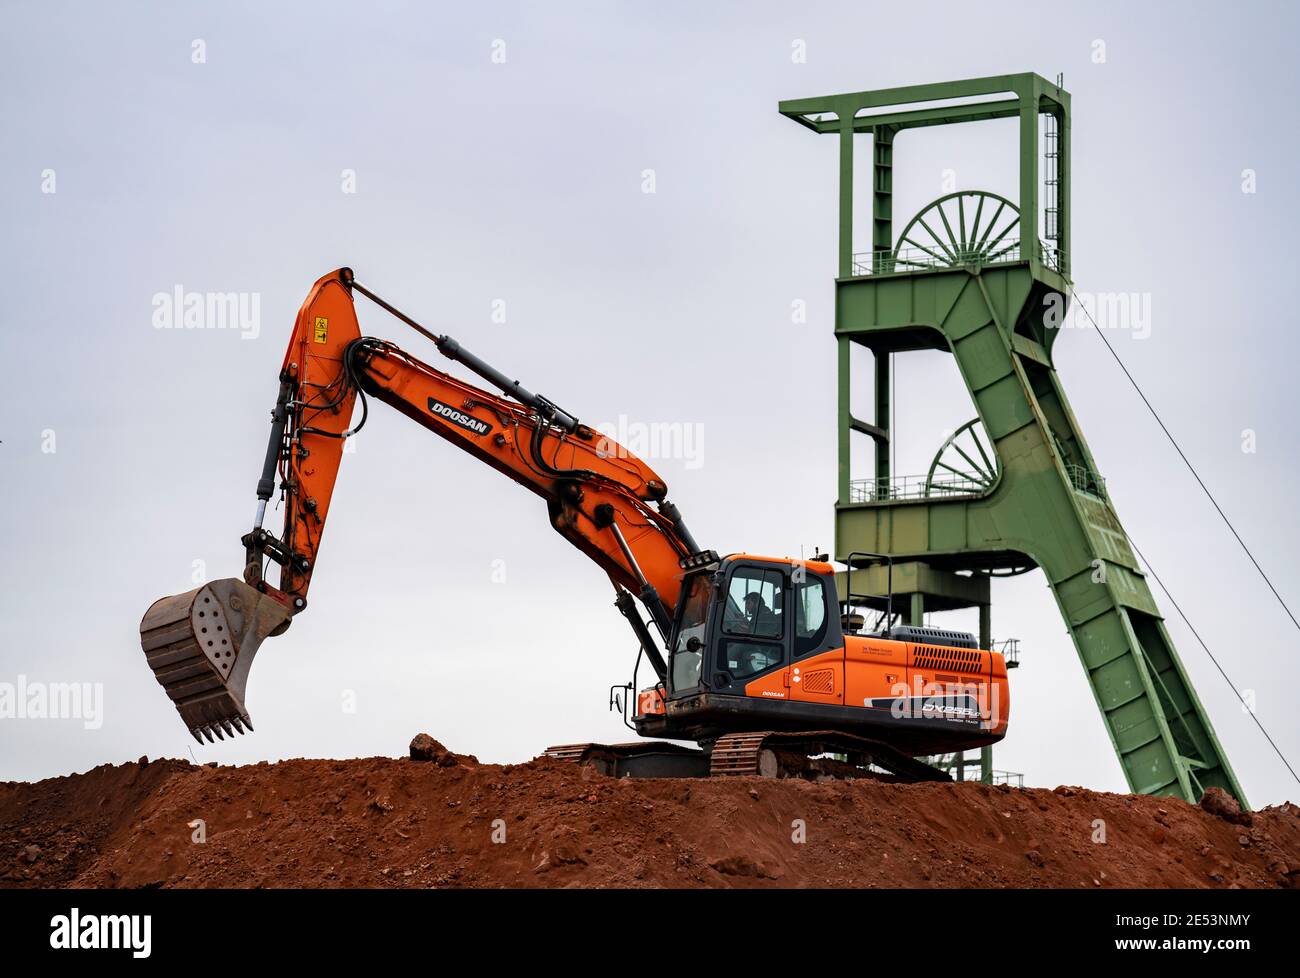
762 619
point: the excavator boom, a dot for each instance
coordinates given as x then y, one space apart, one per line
603 499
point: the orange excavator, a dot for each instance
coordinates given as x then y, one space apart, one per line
756 659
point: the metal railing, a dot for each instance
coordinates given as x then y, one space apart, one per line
902 487
1053 257
1085 480
942 256
1010 649
968 769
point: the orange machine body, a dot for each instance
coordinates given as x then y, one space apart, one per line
909 686
906 678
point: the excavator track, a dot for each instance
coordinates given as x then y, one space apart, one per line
642 759
737 755
776 754
568 752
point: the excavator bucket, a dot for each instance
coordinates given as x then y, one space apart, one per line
200 646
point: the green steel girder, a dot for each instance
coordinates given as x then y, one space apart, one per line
1039 509
942 590
1048 505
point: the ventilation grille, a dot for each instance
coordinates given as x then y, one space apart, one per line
949 660
819 681
924 634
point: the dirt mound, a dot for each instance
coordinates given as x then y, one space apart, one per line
380 822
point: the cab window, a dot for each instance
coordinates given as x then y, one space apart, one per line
695 610
754 603
745 659
753 622
809 615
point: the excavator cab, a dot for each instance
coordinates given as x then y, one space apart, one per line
746 618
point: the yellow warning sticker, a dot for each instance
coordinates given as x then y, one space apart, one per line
322 329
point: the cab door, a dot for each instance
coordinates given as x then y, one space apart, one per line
816 673
751 648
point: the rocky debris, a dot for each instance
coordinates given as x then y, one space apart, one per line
448 821
425 748
741 866
1219 803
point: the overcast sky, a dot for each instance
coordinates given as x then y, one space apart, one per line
472 162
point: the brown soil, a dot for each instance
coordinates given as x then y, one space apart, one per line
385 822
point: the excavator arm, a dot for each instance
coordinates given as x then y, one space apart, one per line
603 499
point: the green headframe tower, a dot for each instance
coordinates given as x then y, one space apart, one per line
987 280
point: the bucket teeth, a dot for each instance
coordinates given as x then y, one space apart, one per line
230 726
180 635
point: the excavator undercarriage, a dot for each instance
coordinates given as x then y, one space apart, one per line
812 755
